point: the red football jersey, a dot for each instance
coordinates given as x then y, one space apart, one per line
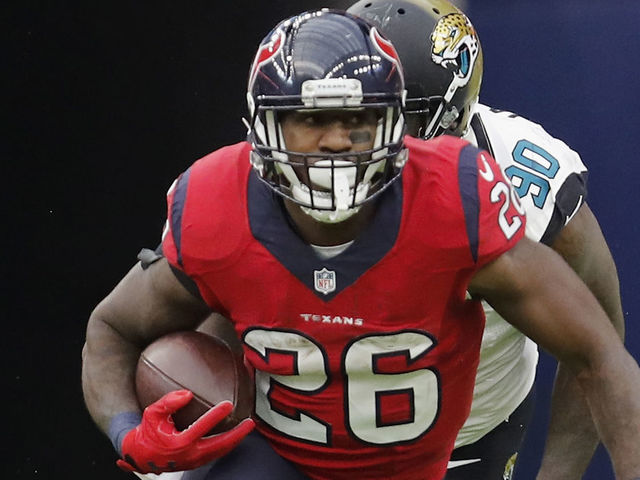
364 362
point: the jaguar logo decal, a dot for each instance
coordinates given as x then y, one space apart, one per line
455 47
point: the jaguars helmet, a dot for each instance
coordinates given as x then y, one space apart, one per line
326 59
442 60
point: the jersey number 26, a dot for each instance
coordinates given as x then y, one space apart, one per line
365 386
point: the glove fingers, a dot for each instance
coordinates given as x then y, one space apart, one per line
125 466
168 404
221 444
207 421
148 448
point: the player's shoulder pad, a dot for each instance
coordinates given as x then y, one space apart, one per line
202 183
549 177
450 181
444 147
445 157
512 137
207 197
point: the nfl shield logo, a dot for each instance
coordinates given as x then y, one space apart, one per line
324 281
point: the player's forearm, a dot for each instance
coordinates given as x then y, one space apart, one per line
612 389
572 437
559 313
108 373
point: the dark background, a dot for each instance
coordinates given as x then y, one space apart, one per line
105 104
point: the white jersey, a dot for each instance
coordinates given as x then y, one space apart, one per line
550 180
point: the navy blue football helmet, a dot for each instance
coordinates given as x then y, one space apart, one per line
326 59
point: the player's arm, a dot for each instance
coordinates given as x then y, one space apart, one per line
146 304
534 289
572 437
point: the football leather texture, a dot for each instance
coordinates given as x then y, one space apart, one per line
204 364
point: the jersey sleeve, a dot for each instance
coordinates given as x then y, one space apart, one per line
172 233
465 202
206 228
501 221
171 245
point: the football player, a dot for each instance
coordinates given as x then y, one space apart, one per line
442 59
351 260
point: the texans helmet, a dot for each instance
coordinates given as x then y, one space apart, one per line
326 59
442 60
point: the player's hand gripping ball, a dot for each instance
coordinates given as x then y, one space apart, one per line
197 397
203 364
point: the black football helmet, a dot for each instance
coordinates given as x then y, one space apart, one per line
326 59
442 60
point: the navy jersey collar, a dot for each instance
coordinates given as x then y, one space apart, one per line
270 226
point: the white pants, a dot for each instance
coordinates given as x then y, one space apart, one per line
162 476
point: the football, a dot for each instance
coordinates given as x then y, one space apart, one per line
202 363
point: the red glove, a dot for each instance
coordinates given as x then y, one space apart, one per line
156 445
